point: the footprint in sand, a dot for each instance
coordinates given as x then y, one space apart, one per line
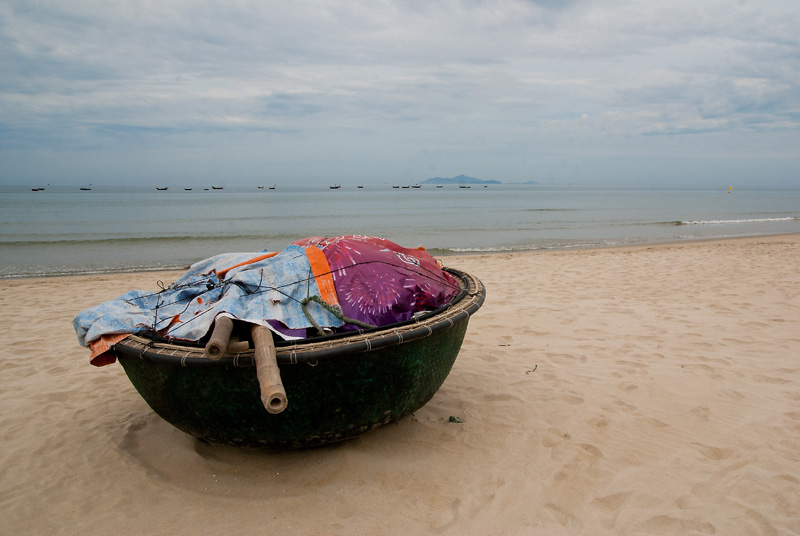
769 379
600 422
591 450
563 517
714 453
624 406
632 364
655 423
664 524
500 397
613 502
730 393
556 437
572 399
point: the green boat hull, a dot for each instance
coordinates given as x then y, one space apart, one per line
336 390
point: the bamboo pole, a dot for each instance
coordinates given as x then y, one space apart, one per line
236 346
273 395
215 348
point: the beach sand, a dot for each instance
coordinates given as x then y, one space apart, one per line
641 390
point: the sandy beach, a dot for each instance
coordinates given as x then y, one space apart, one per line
639 390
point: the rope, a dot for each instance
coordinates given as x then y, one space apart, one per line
334 310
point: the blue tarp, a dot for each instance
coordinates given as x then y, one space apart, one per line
187 308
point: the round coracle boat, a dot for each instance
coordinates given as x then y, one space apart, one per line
338 386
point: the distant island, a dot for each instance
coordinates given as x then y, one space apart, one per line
460 179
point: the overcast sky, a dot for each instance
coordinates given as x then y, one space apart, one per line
259 92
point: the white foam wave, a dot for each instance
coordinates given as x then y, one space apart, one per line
752 220
534 247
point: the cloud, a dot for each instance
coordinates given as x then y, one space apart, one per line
483 83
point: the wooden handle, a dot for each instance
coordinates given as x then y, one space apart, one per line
223 325
273 395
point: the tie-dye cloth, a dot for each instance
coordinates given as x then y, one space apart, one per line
379 282
370 280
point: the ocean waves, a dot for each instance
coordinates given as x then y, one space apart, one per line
737 221
125 231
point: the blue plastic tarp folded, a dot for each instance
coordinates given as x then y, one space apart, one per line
187 308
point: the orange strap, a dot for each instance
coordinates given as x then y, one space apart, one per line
322 274
221 273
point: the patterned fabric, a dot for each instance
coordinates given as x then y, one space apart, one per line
380 282
367 279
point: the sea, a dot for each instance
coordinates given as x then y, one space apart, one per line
60 231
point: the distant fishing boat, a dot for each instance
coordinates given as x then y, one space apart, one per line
188 189
439 186
464 186
260 187
398 186
217 188
416 186
359 186
335 186
85 189
273 186
162 188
